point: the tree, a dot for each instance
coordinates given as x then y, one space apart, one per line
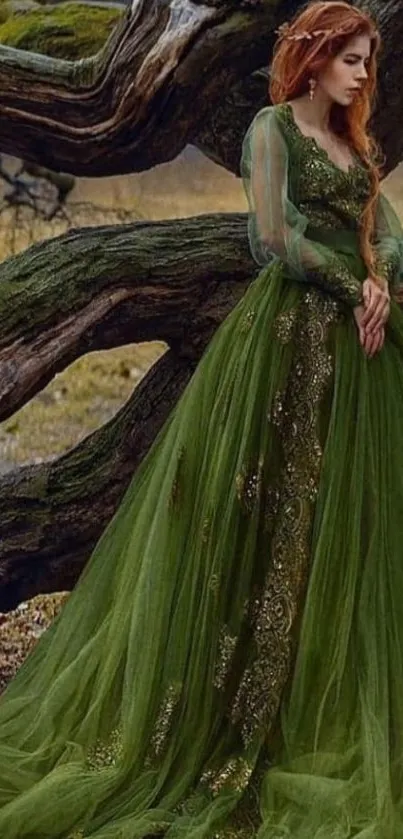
125 109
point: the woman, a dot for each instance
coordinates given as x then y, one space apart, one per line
230 662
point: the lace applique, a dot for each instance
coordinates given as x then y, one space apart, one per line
321 216
387 265
289 507
346 191
339 278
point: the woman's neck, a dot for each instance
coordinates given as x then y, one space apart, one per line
315 114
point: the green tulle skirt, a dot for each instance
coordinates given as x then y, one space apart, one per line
230 662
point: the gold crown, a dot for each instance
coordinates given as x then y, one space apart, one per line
284 31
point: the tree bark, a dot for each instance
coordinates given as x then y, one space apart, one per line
98 288
132 106
88 290
387 121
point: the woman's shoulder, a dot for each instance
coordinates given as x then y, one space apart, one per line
268 112
278 116
273 124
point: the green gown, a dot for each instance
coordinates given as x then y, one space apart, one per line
230 663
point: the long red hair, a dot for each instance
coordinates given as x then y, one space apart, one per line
321 31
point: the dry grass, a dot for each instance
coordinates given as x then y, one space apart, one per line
21 629
75 403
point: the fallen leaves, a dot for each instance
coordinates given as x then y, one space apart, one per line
21 629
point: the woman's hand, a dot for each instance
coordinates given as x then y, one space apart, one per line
372 342
377 306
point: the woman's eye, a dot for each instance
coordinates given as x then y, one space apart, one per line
356 61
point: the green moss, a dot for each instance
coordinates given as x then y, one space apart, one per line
5 11
71 31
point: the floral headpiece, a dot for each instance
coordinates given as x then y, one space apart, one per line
284 31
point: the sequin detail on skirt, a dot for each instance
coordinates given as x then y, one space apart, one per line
235 774
248 483
226 648
105 753
175 492
164 720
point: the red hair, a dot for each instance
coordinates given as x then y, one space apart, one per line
322 31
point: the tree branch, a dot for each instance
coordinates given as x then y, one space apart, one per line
99 116
132 106
97 288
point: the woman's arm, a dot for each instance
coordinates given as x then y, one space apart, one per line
275 225
388 243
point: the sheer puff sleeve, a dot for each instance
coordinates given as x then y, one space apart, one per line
276 228
388 244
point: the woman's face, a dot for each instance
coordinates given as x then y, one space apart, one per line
347 73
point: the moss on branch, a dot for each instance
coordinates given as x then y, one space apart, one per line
71 31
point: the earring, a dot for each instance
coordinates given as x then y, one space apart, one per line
312 87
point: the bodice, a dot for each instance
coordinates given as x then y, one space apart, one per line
326 194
